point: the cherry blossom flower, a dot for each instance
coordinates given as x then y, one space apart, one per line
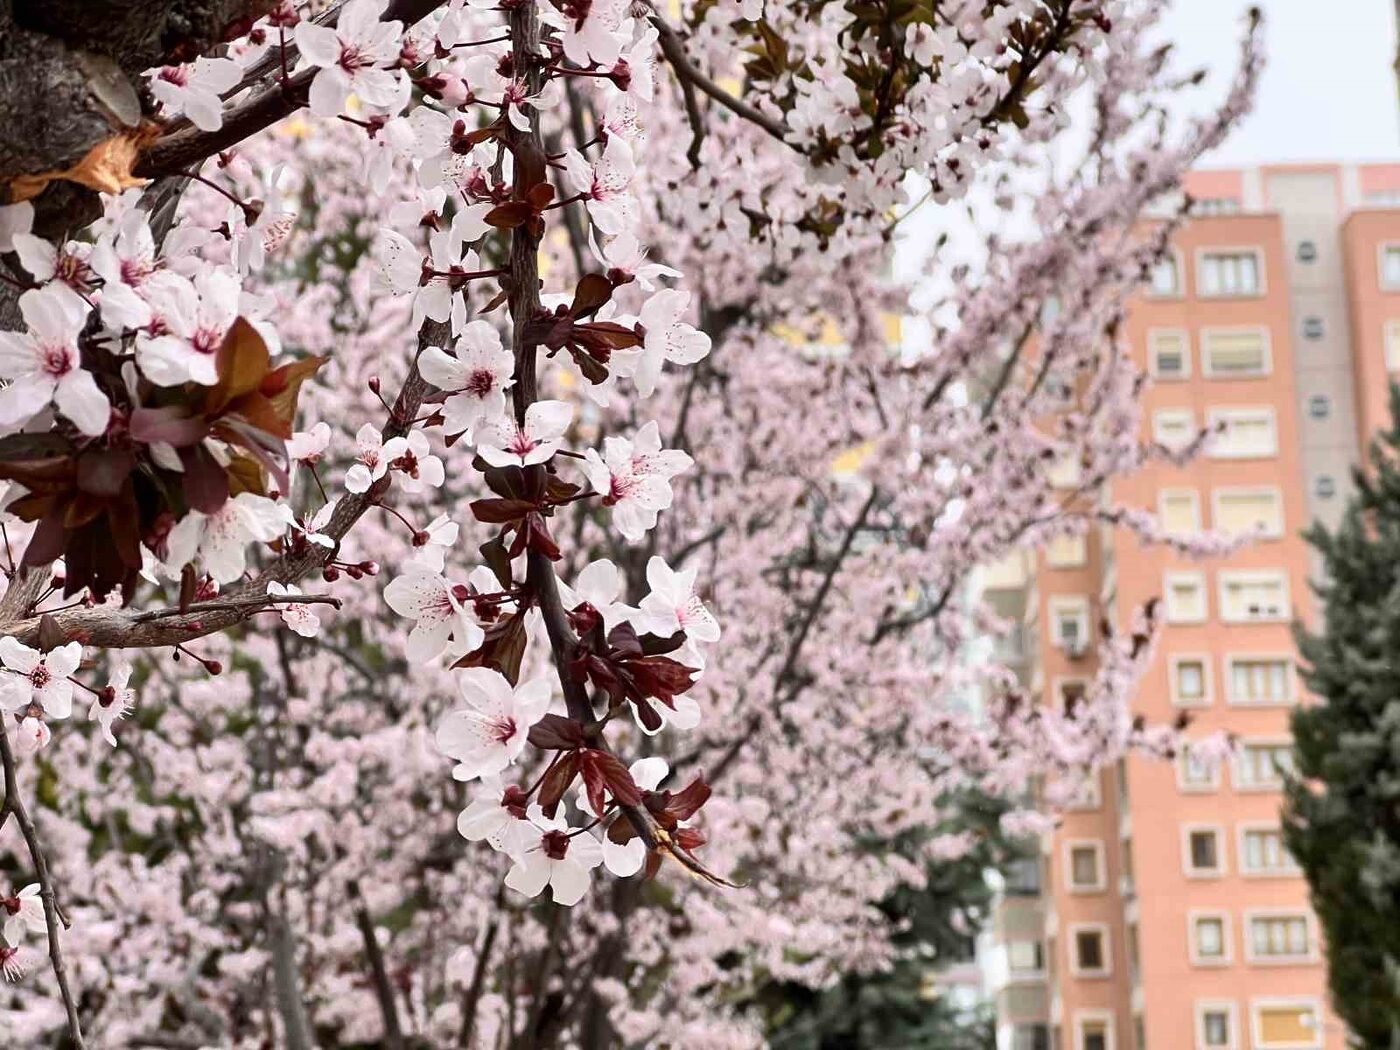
600 584
32 733
194 319
430 546
308 446
625 259
504 444
555 858
634 478
372 463
299 616
606 185
432 282
12 963
667 338
63 269
477 378
496 815
114 701
635 70
221 539
626 859
589 31
490 733
410 458
273 223
351 57
126 262
194 90
44 365
25 911
673 605
313 530
39 678
439 607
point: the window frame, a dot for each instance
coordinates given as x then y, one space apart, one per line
1290 678
1227 938
1260 291
1231 1011
1267 362
1195 496
1217 492
1149 290
1018 974
1312 955
1381 250
1079 606
1187 788
1218 414
1308 1003
1073 930
1186 353
1242 830
1207 697
1100 1017
1186 414
1237 764
1198 577
1188 868
1100 884
1225 577
1078 562
1392 361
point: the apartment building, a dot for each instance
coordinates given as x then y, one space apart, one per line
1165 913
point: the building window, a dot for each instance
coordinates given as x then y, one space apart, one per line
1023 877
1169 353
1166 278
1210 939
1204 857
1324 487
1190 681
1253 510
1319 406
1260 679
1390 267
1235 353
1261 766
1069 624
1392 346
1243 433
1067 552
1280 937
1179 511
1089 945
1025 957
1185 597
1174 428
1215 1026
1085 868
1307 252
1195 773
1286 1024
1255 596
1263 852
1094 1033
1313 328
1225 274
1030 1037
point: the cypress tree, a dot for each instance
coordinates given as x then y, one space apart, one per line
1342 811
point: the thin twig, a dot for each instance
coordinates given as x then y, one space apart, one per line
14 803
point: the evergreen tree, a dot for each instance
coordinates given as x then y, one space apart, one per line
1342 818
905 1007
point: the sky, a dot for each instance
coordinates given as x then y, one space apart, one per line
1328 92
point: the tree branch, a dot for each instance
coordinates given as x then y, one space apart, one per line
14 803
383 988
